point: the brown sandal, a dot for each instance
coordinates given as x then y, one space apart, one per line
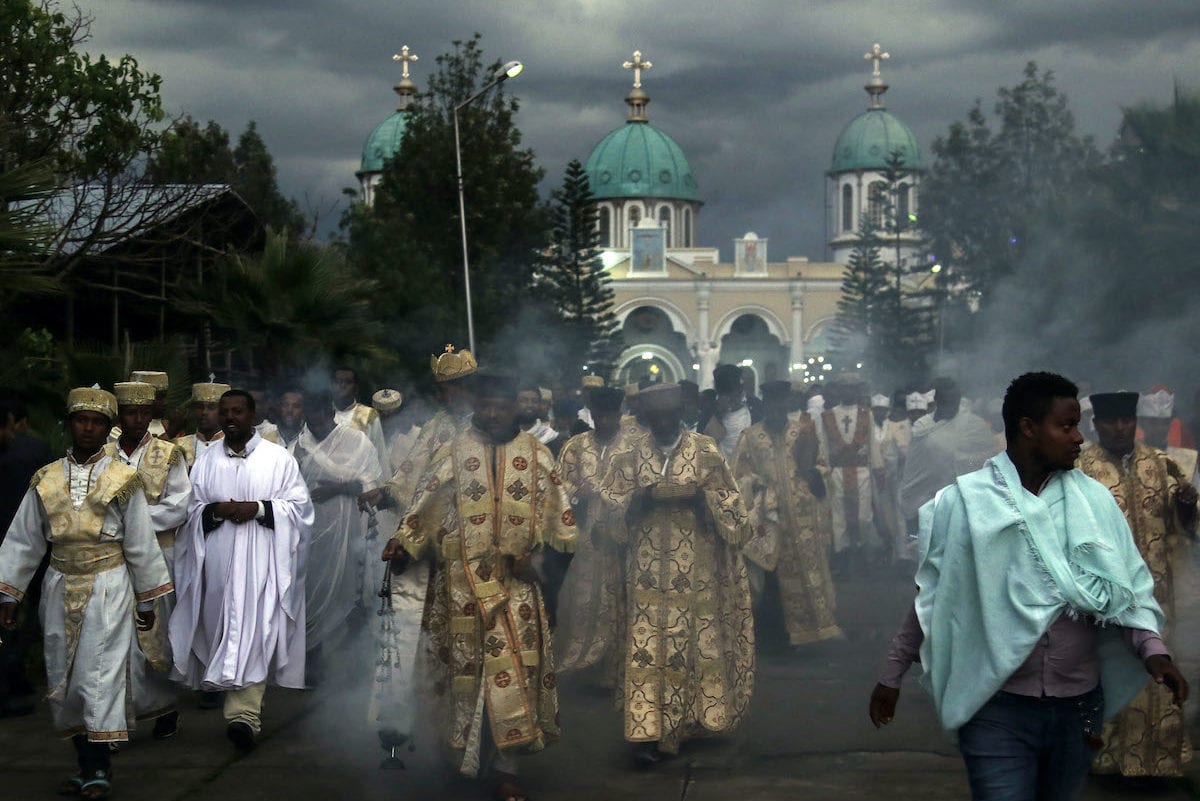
507 788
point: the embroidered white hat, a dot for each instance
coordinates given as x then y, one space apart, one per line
1157 402
880 401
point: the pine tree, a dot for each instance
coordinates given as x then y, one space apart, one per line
864 284
574 280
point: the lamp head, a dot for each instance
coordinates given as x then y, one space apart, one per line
510 70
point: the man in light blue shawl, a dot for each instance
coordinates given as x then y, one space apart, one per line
1035 617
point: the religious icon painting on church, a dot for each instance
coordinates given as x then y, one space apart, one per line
649 251
750 255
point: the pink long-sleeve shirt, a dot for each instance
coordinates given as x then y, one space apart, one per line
1064 663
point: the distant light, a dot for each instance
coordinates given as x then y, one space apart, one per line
1012 240
827 367
747 362
935 269
858 366
695 367
912 218
820 359
654 369
797 366
585 368
647 355
811 360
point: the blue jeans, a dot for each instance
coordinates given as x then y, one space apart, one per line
1019 748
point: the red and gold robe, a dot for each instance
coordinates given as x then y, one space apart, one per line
478 508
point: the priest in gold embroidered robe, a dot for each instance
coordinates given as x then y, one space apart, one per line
487 502
591 605
399 638
163 472
87 509
688 662
776 467
847 438
1149 737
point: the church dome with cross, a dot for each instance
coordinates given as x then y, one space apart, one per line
858 190
384 141
638 173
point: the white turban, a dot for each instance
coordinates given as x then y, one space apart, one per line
816 405
880 400
1156 404
918 401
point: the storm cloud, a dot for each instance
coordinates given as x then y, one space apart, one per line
755 93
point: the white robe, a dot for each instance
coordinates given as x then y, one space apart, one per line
941 451
337 580
239 618
374 431
88 694
153 691
851 489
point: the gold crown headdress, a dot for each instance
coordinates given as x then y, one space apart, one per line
134 393
452 365
592 381
209 392
155 378
92 399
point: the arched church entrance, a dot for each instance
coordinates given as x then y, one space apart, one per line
751 344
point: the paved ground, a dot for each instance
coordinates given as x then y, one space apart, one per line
807 737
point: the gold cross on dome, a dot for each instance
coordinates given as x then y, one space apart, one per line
637 65
404 57
449 349
877 55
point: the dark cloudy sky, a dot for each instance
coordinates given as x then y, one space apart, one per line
755 92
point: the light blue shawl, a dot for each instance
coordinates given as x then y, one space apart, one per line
998 565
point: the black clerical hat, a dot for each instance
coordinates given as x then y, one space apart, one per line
605 400
776 390
1111 405
493 384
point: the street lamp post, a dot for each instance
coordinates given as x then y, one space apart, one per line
510 70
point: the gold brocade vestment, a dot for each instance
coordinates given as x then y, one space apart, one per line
591 613
1149 737
779 498
435 434
478 508
689 645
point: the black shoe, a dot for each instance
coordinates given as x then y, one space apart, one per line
647 755
209 700
242 736
167 726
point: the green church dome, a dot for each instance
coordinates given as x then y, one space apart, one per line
870 138
383 143
639 160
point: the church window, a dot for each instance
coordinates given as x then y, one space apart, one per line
847 207
902 205
635 215
664 219
687 228
604 226
876 202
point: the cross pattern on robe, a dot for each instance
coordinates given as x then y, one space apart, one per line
404 57
637 65
877 55
846 424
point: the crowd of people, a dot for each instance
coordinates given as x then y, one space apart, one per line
636 538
